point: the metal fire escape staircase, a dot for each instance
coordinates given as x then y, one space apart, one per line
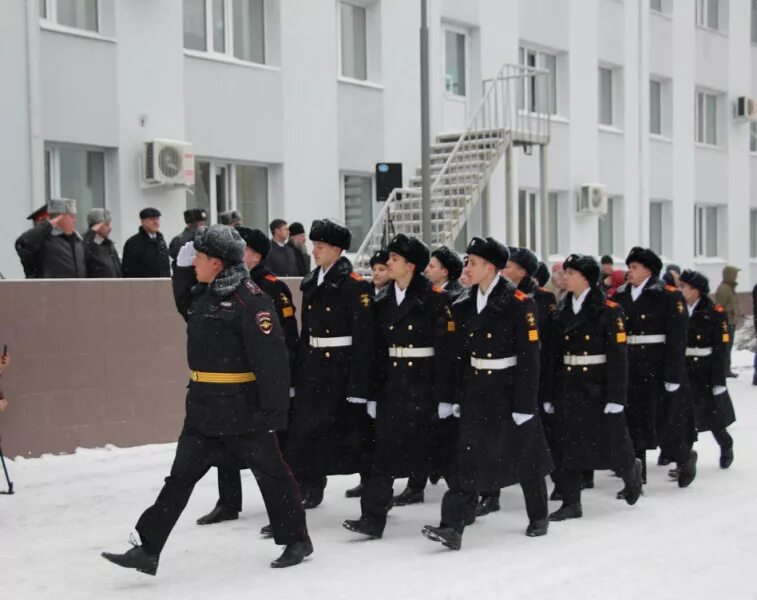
461 164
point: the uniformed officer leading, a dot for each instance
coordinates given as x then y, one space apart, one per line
238 395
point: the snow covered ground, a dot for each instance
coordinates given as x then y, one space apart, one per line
700 542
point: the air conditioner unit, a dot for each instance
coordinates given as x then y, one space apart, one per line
168 162
592 200
746 109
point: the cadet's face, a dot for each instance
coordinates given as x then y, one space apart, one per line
251 258
380 275
637 273
607 268
325 254
690 294
397 267
477 269
151 225
574 281
436 272
207 268
514 272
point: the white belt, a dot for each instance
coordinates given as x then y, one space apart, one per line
581 361
494 364
635 340
698 351
401 352
330 342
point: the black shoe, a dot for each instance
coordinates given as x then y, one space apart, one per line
633 488
567 511
556 495
266 531
663 460
446 535
487 504
732 375
673 473
537 528
293 554
217 515
364 527
312 496
134 558
434 478
688 472
408 496
726 457
356 492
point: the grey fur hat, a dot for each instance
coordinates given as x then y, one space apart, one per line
230 217
98 215
220 241
61 206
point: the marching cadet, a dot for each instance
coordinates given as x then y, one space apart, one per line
328 431
444 270
238 395
414 363
500 442
706 362
658 410
229 503
591 377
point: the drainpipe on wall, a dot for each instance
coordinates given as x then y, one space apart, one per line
36 146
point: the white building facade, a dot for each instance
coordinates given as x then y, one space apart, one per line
289 105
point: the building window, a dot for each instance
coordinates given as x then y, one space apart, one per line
528 219
231 27
455 71
605 96
754 21
656 5
78 14
221 186
706 231
753 233
554 222
77 173
753 137
539 94
611 227
707 13
660 226
358 207
655 107
354 41
706 118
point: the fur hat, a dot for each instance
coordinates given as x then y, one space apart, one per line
411 249
696 280
524 258
380 257
149 213
584 264
255 239
195 215
230 217
61 206
296 229
220 241
646 257
330 232
491 250
450 261
98 215
542 274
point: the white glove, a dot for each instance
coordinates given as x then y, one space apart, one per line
371 408
291 392
549 408
672 387
445 410
521 418
613 408
352 400
186 255
719 389
456 411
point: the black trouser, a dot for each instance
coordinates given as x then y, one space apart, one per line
570 483
376 499
195 454
457 503
723 438
230 488
417 481
731 335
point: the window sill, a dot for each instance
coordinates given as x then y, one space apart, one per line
360 83
711 30
711 147
663 15
656 137
455 97
553 118
610 129
229 60
709 260
82 33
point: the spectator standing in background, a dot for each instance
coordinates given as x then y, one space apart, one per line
232 218
281 260
100 251
146 253
297 243
726 296
194 218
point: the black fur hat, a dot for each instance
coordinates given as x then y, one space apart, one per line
411 249
491 250
380 257
696 280
450 261
525 258
330 232
584 264
646 257
255 239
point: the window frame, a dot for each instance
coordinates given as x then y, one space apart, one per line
340 50
51 16
753 28
701 218
447 28
615 212
702 13
610 72
700 114
343 174
753 137
753 233
666 225
526 96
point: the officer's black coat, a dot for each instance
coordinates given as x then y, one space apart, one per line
454 289
708 328
233 333
282 299
409 390
102 256
492 452
546 305
145 256
586 437
654 415
328 434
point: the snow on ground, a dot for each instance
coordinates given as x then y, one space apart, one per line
700 542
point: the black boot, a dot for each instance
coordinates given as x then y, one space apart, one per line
355 492
312 495
567 511
556 495
266 531
587 480
673 473
217 515
633 484
663 460
537 528
688 471
446 535
726 456
364 527
135 558
293 554
487 504
408 496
